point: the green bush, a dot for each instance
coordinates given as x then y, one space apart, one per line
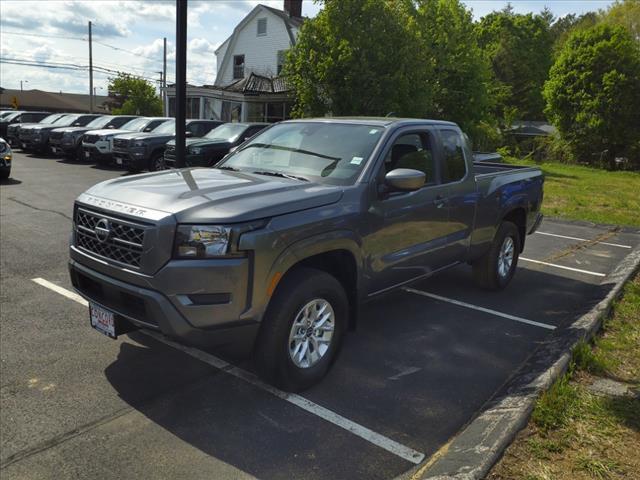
593 96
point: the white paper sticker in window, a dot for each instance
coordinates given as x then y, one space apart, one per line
356 160
373 131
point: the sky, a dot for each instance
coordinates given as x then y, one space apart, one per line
128 36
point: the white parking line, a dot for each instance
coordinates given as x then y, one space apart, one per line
481 309
555 265
583 240
370 436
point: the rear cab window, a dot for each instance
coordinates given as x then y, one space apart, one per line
454 165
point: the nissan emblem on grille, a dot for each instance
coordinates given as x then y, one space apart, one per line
102 230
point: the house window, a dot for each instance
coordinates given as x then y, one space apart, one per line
281 56
262 27
238 66
193 107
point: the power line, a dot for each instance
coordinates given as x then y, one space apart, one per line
23 34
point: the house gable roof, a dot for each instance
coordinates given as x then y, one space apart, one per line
289 22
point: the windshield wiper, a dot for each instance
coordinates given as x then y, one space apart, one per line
289 149
279 174
225 167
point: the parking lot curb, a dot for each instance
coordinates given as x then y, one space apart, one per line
474 451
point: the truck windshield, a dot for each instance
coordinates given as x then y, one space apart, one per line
332 153
51 118
66 121
100 122
228 132
168 128
136 125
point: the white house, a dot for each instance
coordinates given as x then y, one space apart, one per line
247 86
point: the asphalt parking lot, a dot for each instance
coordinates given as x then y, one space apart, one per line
423 363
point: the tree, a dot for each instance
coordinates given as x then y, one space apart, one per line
519 48
593 94
359 57
627 14
135 95
458 72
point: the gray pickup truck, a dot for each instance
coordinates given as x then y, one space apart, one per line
276 248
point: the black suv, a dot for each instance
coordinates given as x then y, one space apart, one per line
13 130
19 117
145 151
36 137
210 149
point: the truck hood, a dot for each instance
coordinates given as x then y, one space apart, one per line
107 131
144 136
206 195
202 142
71 129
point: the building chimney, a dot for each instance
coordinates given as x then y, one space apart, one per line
293 8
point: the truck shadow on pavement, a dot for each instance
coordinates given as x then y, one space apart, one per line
417 371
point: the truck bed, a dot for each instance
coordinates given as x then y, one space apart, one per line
484 168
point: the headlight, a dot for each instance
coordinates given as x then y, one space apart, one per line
195 150
138 144
202 241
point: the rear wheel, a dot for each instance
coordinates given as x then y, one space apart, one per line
302 330
495 269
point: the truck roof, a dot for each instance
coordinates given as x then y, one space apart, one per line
378 121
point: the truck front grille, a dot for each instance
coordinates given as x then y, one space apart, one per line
120 143
123 243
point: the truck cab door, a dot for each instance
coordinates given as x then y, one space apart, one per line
459 178
406 230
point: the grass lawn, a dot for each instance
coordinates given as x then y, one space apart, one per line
584 193
575 433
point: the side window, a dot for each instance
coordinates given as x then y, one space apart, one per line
454 167
250 132
196 129
412 150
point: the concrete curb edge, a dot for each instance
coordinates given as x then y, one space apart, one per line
474 451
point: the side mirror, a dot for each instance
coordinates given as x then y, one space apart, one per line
405 179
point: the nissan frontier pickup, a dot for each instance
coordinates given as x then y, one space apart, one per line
275 249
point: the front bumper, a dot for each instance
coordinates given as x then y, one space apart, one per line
97 151
62 149
132 159
209 319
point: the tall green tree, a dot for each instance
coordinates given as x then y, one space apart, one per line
593 93
135 95
519 48
359 57
457 69
625 13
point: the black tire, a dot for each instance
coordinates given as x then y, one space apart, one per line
271 352
486 272
4 174
156 162
79 152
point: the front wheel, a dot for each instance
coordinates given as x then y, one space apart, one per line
156 162
495 269
302 330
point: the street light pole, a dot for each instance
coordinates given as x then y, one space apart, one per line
181 80
91 94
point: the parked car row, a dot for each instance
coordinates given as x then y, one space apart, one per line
130 142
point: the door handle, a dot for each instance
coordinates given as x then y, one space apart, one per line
440 201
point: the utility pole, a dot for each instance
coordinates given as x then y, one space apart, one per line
91 93
160 87
181 80
164 76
